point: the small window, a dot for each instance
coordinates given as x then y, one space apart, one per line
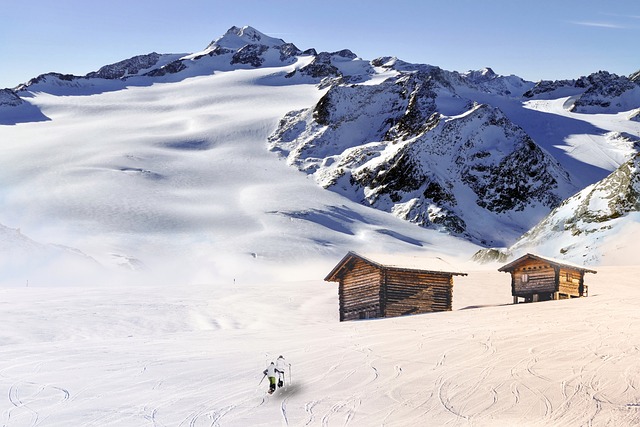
524 278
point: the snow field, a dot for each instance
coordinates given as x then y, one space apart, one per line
174 180
194 355
229 246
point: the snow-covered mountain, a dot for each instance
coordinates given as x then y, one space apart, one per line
414 142
170 160
599 222
600 92
22 259
239 48
168 170
388 145
172 178
9 98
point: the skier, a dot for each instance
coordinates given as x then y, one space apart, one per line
270 372
280 367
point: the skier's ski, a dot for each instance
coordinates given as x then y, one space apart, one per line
281 366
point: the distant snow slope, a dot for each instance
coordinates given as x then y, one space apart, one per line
174 180
416 143
597 225
164 156
458 173
24 261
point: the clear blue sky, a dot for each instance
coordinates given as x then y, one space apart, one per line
542 39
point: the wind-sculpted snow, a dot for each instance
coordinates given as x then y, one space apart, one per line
174 183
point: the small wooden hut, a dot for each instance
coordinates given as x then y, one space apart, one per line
390 287
534 278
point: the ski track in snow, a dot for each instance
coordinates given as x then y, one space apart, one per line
502 364
28 399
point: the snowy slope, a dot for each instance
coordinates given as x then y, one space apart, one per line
174 181
194 355
155 172
390 146
412 141
146 153
599 224
24 261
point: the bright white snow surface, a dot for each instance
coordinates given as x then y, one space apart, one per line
174 180
193 355
600 147
222 248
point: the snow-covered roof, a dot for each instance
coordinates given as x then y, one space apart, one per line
399 262
512 265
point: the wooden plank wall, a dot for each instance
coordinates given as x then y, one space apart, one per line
416 292
359 292
569 282
541 278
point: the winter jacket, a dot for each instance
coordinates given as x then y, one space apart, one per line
271 370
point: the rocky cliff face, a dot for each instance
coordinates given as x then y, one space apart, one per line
575 227
600 92
237 48
329 68
545 87
421 142
606 92
126 68
388 146
9 98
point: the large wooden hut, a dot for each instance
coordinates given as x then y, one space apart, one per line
535 278
391 286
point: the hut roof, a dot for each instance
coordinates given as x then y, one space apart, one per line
396 262
513 264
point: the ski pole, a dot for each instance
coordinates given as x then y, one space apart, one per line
263 377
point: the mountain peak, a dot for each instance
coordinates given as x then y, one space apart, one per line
482 75
488 72
246 32
238 37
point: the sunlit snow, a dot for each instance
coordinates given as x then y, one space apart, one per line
155 256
